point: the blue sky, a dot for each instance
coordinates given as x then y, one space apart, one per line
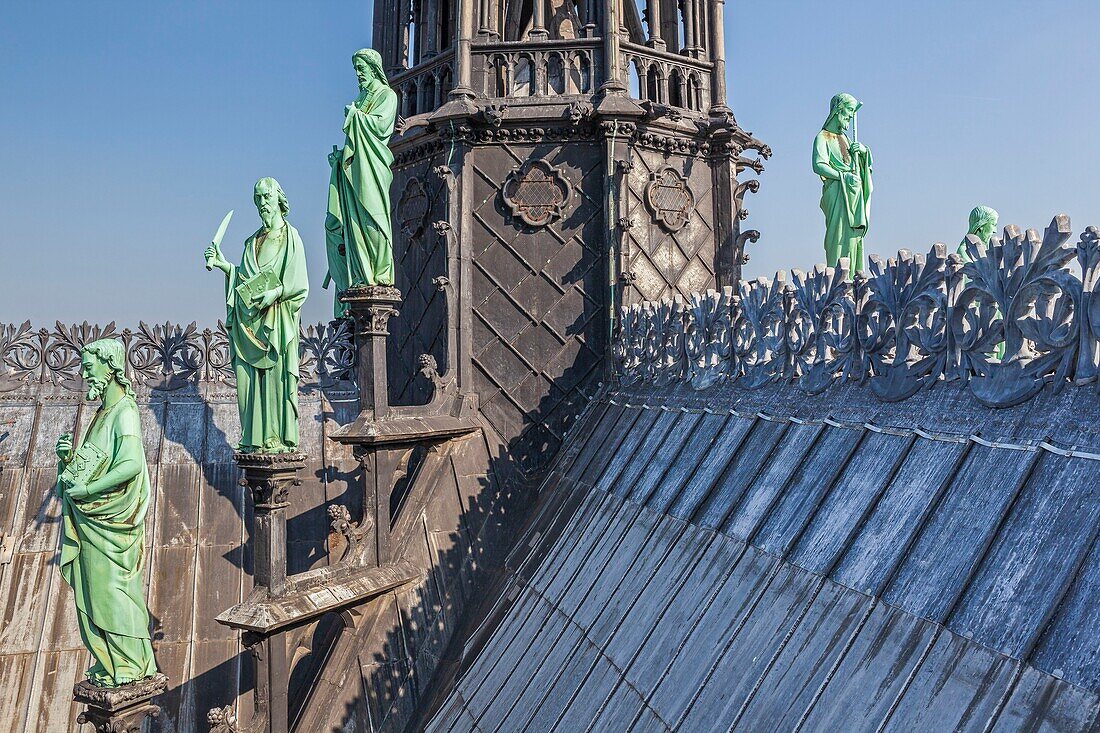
129 128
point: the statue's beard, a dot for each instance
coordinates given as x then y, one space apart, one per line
96 387
267 216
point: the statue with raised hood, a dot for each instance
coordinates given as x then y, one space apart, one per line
103 484
358 230
845 170
983 222
263 303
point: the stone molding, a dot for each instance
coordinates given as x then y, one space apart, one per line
906 324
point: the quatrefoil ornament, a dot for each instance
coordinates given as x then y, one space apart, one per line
536 192
669 198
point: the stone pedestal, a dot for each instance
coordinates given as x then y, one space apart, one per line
382 436
269 478
119 709
371 309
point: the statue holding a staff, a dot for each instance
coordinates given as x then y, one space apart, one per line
845 170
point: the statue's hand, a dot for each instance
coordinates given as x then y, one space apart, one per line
64 447
857 148
214 258
75 491
265 299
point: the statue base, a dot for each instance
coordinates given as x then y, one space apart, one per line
372 294
370 309
269 476
120 709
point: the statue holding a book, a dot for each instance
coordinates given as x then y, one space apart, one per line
263 299
103 484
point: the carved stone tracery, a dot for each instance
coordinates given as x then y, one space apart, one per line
907 324
536 192
669 198
163 357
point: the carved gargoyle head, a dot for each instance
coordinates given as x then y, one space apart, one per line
493 113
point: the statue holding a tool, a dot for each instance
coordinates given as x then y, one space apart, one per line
844 167
263 301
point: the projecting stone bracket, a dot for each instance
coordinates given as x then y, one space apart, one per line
312 594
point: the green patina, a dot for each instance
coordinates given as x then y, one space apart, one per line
358 229
104 490
983 222
263 298
845 171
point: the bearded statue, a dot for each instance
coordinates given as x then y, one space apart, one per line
103 483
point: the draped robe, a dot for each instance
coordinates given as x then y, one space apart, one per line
264 343
847 208
358 232
103 555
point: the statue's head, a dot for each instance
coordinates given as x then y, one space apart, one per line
983 222
842 108
270 201
103 362
368 67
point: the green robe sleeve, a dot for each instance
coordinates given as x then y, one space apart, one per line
367 155
821 159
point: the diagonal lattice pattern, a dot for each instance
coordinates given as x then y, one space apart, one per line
420 255
538 327
668 263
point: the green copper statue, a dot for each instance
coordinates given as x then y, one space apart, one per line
263 299
103 483
983 222
845 170
358 236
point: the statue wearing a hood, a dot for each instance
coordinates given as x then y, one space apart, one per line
845 170
359 235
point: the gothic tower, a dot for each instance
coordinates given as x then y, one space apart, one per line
555 159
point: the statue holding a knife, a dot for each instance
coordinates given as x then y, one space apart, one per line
263 300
